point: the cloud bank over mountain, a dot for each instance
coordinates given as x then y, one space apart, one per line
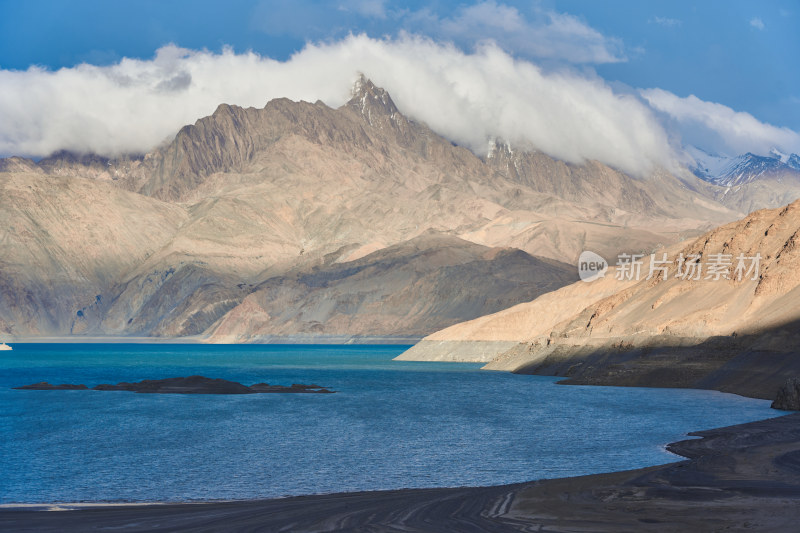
719 127
468 97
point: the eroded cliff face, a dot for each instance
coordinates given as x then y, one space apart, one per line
737 333
242 208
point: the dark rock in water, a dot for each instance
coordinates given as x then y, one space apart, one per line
122 385
788 397
43 385
188 385
297 388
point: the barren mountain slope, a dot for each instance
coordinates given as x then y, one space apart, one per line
64 243
619 197
730 334
773 190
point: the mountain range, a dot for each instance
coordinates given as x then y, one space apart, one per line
747 168
300 221
749 181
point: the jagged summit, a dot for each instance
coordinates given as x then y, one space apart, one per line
369 99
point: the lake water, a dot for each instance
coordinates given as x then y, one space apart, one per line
391 425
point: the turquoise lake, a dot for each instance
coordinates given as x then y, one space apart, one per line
390 425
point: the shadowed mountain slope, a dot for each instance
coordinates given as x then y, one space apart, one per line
406 288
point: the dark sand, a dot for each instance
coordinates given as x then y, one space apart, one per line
740 478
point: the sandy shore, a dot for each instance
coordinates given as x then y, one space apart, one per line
739 478
200 339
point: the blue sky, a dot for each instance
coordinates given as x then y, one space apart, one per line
743 55
716 50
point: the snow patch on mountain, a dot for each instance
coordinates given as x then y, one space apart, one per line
732 171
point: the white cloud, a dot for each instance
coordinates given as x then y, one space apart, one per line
467 97
542 34
757 23
720 128
486 15
666 22
549 35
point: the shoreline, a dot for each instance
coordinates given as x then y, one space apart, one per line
81 505
738 477
318 340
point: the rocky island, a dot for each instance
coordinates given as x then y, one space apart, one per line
187 385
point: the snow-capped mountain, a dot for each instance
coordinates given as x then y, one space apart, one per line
733 171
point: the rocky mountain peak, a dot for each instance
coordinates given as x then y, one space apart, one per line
369 100
499 148
19 164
